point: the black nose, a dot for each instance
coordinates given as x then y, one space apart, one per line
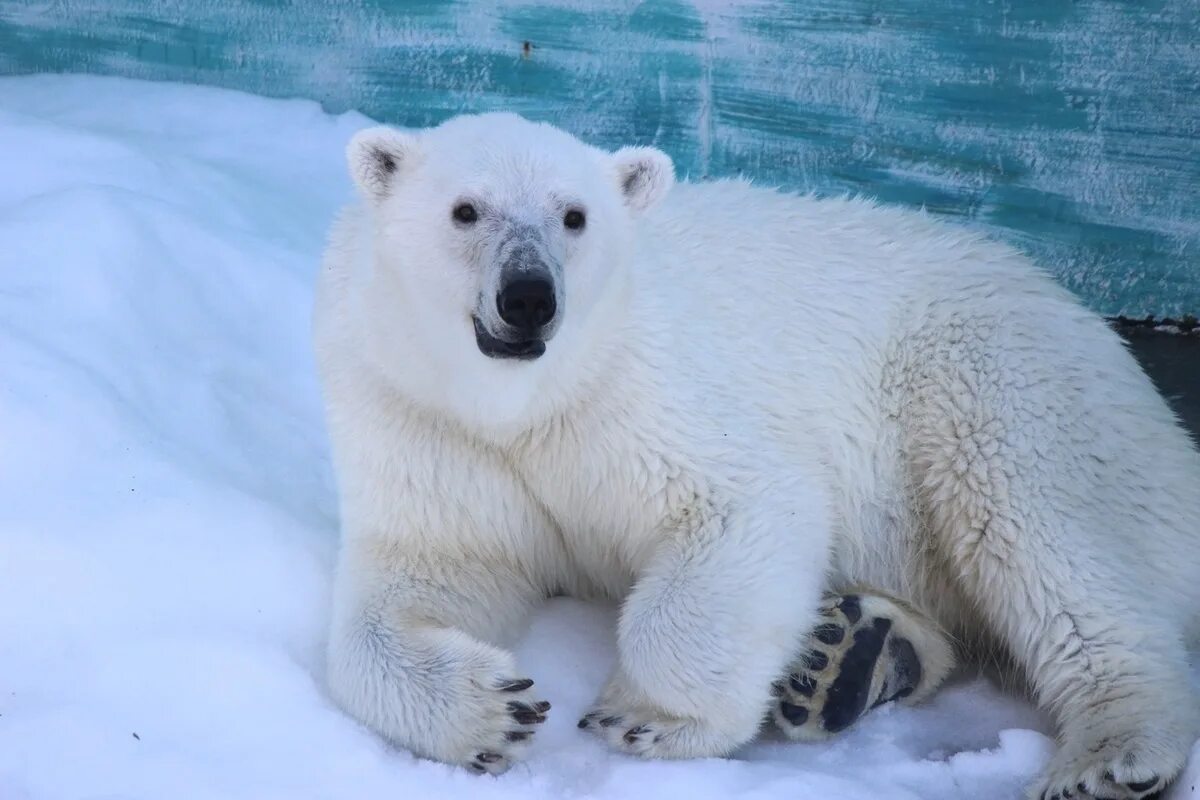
527 303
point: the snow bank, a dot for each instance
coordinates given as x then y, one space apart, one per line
167 516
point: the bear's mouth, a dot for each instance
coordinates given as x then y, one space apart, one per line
492 347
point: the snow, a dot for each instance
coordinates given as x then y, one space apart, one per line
167 514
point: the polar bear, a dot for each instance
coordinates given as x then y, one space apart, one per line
807 443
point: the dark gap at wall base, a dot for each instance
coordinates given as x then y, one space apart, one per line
1188 323
1170 354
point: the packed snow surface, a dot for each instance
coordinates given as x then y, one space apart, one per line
168 521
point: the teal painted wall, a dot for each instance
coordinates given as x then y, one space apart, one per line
1069 128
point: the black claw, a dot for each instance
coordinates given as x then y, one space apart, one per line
1079 787
632 734
829 633
1142 786
583 723
1067 794
797 715
851 606
520 736
526 714
488 758
608 722
816 660
803 684
516 685
477 768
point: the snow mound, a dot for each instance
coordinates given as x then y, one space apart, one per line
167 514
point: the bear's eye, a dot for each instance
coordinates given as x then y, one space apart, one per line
465 213
574 219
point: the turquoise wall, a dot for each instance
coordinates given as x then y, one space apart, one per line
1069 128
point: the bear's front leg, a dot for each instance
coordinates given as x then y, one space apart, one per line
709 626
443 555
413 653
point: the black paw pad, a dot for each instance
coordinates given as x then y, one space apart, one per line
851 606
849 693
906 670
815 660
802 684
797 715
829 633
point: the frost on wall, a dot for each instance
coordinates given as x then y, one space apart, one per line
1070 129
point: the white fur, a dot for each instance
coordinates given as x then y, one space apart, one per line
751 397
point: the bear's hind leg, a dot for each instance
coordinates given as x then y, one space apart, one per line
867 650
1066 542
1115 677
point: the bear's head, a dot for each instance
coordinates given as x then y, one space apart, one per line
501 248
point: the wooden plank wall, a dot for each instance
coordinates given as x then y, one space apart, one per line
1071 128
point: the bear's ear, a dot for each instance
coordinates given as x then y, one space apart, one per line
644 175
377 156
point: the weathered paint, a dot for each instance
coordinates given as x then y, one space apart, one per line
1069 128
